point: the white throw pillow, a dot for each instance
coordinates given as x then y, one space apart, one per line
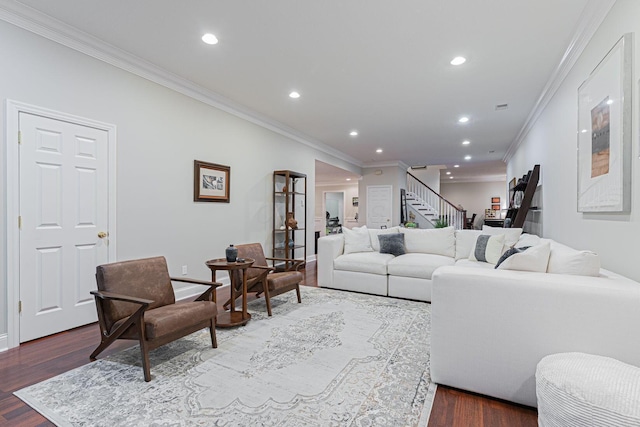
488 248
356 240
465 242
566 260
534 259
437 241
373 236
527 239
511 235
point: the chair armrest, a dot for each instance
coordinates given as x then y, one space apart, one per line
262 267
297 263
119 297
196 281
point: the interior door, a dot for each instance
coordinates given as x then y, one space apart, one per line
64 222
379 206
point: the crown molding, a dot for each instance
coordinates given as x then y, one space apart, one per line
592 16
391 163
45 26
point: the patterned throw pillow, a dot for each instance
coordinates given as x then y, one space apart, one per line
510 252
392 243
488 248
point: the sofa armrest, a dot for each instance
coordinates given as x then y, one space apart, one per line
490 328
329 248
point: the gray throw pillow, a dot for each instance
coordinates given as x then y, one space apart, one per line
392 243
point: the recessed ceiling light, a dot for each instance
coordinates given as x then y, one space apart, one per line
458 60
450 177
348 179
609 102
294 95
210 39
466 142
467 157
379 150
584 131
353 133
463 119
456 166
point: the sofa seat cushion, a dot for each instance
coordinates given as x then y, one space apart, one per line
363 262
420 266
474 264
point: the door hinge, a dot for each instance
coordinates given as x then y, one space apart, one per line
19 137
19 306
19 222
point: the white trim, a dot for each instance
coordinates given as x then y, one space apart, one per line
43 25
4 346
592 16
12 180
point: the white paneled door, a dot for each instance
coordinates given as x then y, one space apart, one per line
379 206
64 219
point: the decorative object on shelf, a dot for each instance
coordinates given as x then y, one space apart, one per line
210 182
604 133
231 253
284 189
291 221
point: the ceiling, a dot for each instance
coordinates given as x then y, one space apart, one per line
376 66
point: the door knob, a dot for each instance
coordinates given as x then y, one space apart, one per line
102 234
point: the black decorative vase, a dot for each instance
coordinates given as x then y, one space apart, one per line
231 253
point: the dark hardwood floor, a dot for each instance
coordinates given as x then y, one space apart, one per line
47 357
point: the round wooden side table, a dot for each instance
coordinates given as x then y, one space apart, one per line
232 317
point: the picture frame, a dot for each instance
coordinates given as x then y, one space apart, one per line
211 182
495 200
354 201
604 133
495 207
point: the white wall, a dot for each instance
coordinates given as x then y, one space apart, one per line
429 176
552 143
475 197
159 133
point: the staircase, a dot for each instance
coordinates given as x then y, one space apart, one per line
430 205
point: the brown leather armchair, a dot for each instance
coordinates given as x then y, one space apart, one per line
263 279
135 301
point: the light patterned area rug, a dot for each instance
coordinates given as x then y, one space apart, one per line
337 359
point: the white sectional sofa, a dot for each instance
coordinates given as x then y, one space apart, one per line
490 327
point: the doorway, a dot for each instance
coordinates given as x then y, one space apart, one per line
334 211
61 189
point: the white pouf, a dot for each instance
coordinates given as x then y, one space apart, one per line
577 389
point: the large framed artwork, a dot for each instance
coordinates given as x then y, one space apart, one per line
210 182
604 133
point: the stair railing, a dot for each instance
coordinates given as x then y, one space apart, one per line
445 210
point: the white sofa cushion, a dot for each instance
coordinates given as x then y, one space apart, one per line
534 258
566 260
438 241
466 262
527 239
417 265
357 240
373 235
488 249
363 262
465 242
511 235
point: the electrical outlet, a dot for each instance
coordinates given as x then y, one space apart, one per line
184 270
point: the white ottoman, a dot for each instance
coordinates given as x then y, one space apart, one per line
582 390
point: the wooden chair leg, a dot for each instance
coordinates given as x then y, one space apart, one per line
144 350
298 293
267 298
212 331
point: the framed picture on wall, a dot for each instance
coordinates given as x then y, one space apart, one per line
604 133
210 182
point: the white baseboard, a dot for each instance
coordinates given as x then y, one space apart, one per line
194 291
4 342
